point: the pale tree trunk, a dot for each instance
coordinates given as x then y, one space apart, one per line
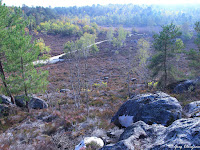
86 85
77 104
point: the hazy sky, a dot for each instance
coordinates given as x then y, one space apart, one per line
63 3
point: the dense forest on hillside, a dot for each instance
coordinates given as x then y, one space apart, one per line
128 15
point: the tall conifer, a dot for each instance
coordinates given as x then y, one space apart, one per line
18 53
165 45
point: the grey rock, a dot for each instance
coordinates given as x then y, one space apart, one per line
159 108
119 146
182 132
4 110
192 109
106 78
5 100
33 102
184 86
133 79
100 133
115 133
172 85
37 103
188 85
21 100
64 90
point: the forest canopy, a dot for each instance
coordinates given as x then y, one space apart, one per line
128 15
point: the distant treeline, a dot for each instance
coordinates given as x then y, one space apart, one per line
128 15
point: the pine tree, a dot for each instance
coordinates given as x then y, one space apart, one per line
194 55
197 29
4 17
165 47
19 52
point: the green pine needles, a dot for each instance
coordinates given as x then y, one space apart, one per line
18 52
166 46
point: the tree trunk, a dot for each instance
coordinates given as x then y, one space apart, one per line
165 67
86 86
79 82
23 77
5 84
72 84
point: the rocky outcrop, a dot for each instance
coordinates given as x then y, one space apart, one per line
114 134
188 85
159 108
4 100
4 110
33 102
182 133
192 109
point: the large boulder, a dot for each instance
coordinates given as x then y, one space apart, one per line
5 100
33 102
188 85
192 109
159 108
183 133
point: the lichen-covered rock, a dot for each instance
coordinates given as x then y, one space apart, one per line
4 100
192 109
115 133
184 86
118 146
159 108
182 132
33 102
37 103
188 85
